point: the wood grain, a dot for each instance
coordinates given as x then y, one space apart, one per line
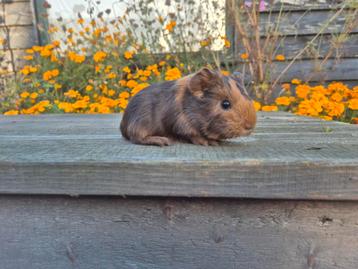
92 233
288 157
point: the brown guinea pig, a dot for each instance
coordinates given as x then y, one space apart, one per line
203 108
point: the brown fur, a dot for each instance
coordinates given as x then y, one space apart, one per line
190 110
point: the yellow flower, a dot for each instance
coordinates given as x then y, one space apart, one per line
302 91
336 97
66 107
72 94
48 75
28 57
257 105
334 109
286 86
283 101
111 75
126 69
172 74
170 26
80 21
24 95
326 117
128 55
244 56
34 95
269 108
295 81
124 95
89 88
353 104
225 73
132 83
99 56
161 63
77 58
122 82
280 57
11 112
57 86
111 92
138 88
41 91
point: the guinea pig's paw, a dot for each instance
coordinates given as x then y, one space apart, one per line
214 142
159 141
197 140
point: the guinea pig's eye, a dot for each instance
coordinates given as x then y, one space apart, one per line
225 104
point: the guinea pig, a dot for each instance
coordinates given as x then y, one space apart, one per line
203 108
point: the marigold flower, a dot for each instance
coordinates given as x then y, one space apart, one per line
257 105
269 108
99 56
89 88
28 57
72 94
11 112
302 91
283 101
132 83
126 69
295 81
353 104
280 57
24 95
172 74
170 26
128 55
244 56
124 95
138 88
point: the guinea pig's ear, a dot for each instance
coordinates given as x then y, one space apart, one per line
202 81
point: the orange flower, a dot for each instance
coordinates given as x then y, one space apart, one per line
257 105
128 55
286 86
353 104
99 56
244 56
11 112
295 81
302 91
170 26
124 95
269 108
172 74
283 101
280 57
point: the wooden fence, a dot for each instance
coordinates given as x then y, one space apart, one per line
299 25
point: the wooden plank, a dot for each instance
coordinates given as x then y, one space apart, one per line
85 155
88 233
290 46
304 22
311 70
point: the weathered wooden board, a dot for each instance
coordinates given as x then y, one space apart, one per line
313 71
92 233
290 46
288 157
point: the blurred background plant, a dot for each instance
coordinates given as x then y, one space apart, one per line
97 62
